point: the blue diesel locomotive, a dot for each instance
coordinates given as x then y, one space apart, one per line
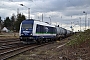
36 31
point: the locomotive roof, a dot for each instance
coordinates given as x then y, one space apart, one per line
38 22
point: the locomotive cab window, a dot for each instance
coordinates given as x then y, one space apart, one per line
25 26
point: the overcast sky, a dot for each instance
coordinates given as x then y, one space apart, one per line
66 13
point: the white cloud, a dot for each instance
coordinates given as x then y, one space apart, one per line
58 10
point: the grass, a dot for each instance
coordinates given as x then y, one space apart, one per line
79 38
8 35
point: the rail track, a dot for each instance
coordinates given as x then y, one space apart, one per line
8 40
12 52
6 44
5 54
12 49
10 46
15 49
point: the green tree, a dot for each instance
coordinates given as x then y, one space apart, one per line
7 23
20 18
0 24
12 22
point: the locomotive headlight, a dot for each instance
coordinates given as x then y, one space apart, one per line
30 34
22 34
20 37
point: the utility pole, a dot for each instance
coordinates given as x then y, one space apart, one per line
50 20
80 23
88 22
28 10
17 11
0 24
28 13
85 18
42 17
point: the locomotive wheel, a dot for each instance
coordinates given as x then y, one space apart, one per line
46 40
39 41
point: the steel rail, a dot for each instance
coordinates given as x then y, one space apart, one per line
11 53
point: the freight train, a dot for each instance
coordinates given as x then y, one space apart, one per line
36 31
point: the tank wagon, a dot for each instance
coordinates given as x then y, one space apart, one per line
69 33
62 33
36 31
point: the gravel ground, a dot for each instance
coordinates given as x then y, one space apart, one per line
57 51
53 51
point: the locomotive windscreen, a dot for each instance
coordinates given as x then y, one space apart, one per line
26 26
